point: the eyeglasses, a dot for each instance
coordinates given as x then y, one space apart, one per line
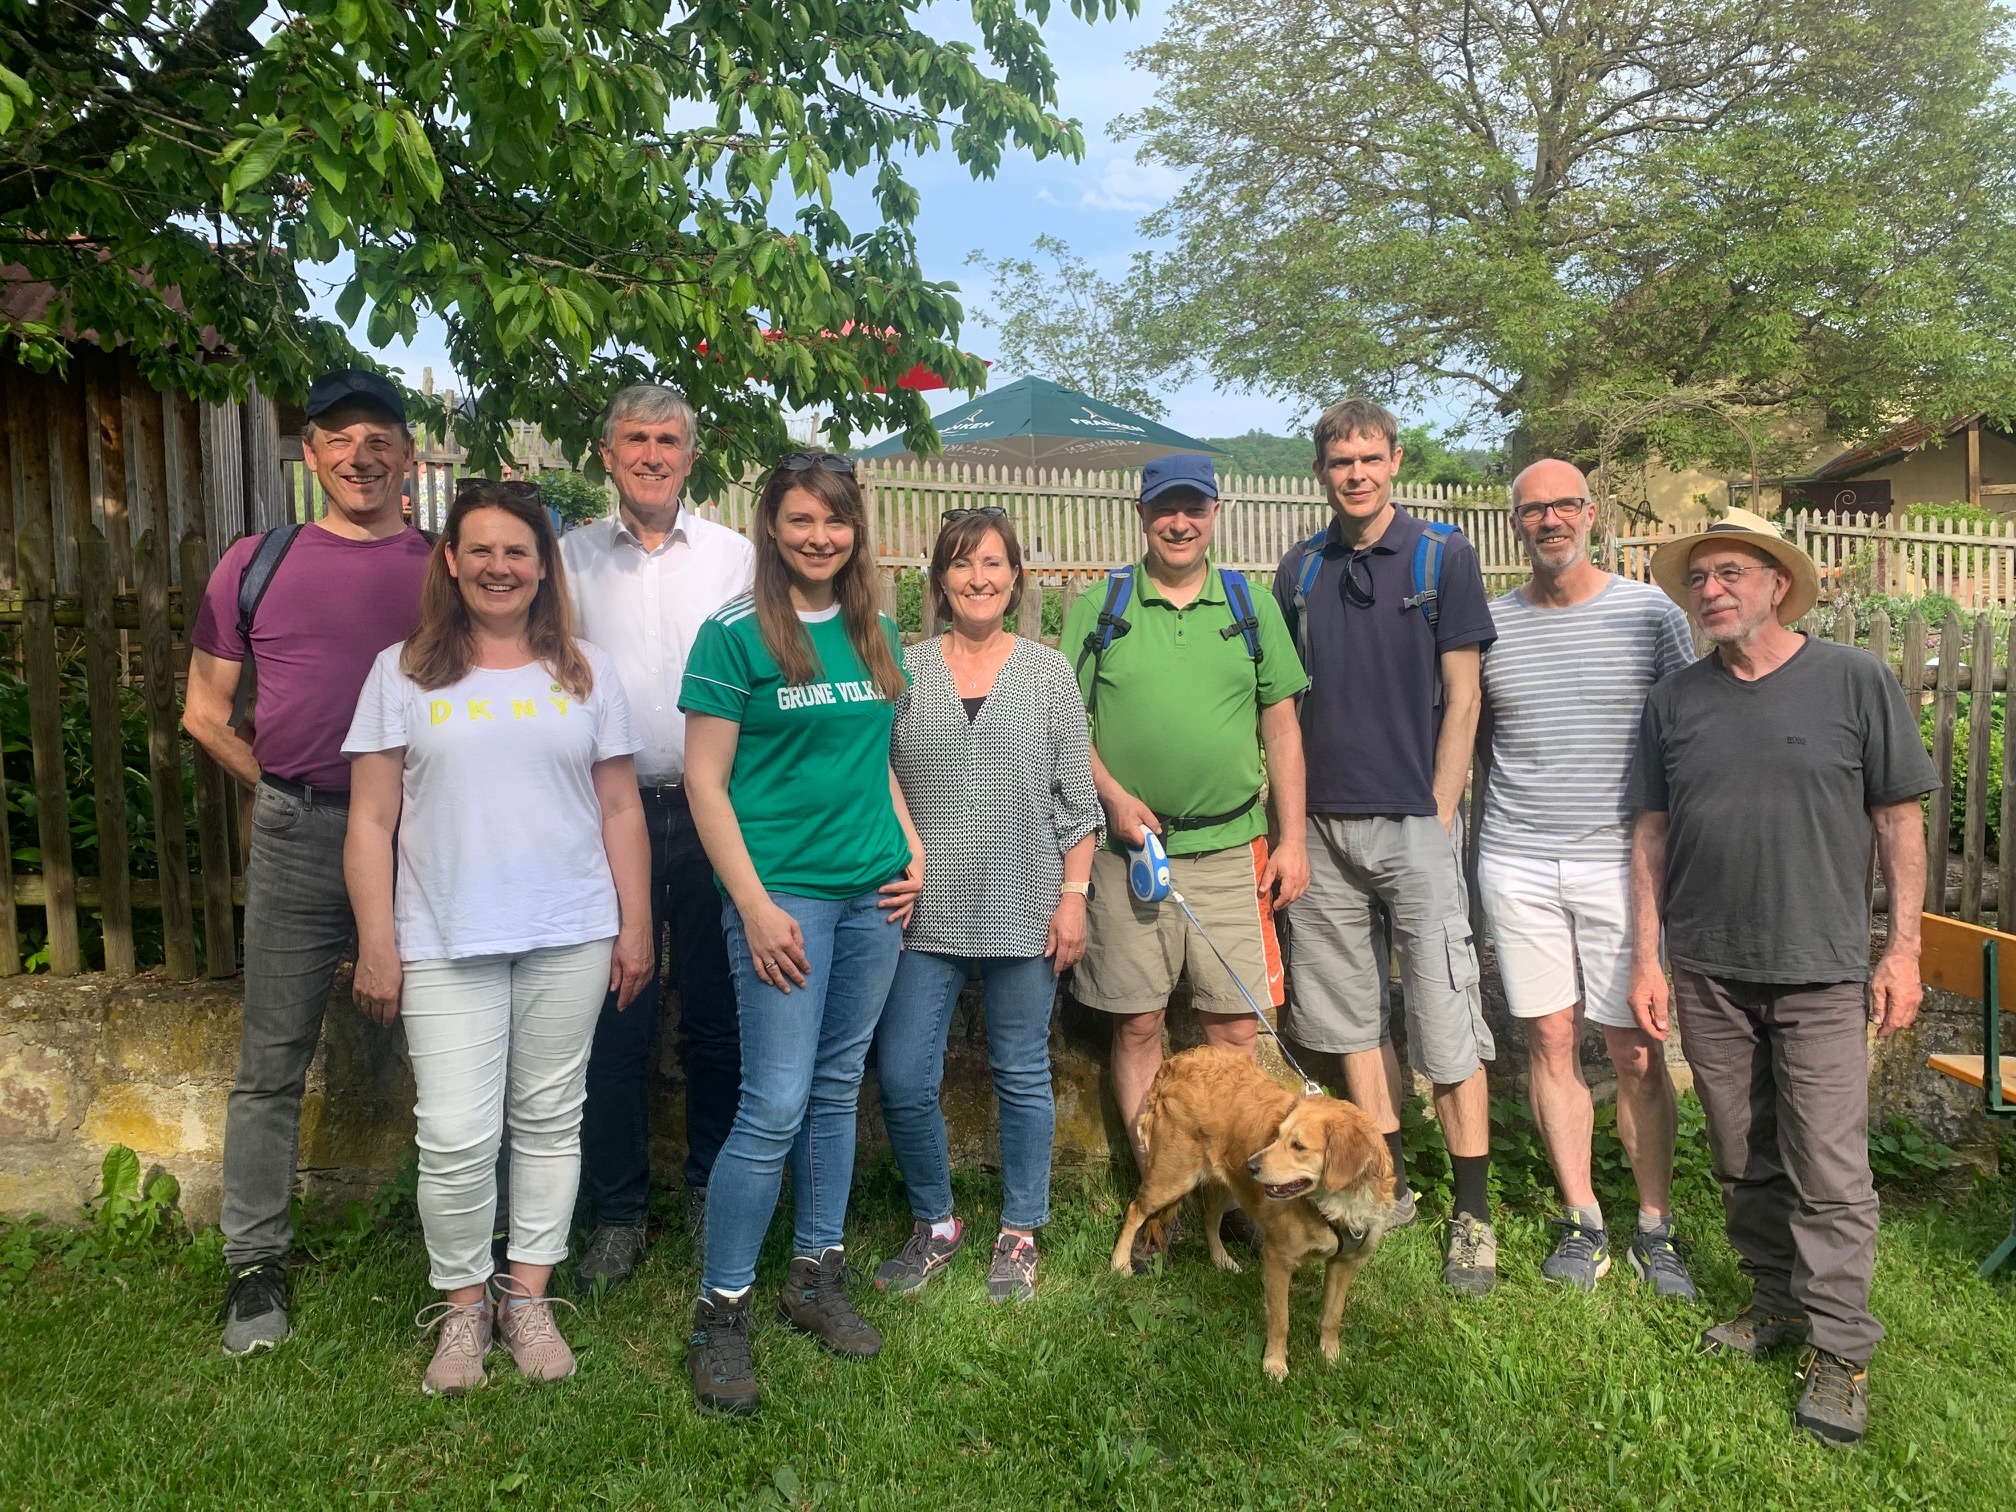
1533 514
1729 574
1353 593
985 512
806 461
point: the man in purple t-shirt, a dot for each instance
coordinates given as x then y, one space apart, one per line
347 587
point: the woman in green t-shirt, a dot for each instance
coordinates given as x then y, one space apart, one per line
789 698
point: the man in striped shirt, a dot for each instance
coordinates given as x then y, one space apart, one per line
1565 682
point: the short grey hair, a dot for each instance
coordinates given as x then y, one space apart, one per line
653 403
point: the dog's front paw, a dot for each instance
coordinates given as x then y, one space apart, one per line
1276 1366
1332 1351
1225 1262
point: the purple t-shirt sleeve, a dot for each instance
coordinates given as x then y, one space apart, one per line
216 628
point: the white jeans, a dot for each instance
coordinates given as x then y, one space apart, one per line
472 1026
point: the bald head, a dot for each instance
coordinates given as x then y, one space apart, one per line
1549 478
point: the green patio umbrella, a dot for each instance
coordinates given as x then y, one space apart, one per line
1034 422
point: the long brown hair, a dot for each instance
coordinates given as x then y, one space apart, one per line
961 538
854 586
439 651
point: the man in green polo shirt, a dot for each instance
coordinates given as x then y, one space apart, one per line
1182 710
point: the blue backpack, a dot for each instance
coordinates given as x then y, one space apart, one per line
1427 580
1113 624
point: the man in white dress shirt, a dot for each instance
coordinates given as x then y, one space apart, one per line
642 583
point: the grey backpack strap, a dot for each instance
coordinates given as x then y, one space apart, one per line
251 589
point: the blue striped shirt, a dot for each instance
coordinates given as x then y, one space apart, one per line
1565 689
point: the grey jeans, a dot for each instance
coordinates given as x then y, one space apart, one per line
1783 1075
298 928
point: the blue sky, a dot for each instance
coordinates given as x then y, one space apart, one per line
1094 205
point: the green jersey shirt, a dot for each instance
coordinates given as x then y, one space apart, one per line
811 779
1177 717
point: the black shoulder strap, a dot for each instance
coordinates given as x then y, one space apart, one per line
252 588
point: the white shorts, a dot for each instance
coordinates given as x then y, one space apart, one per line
1545 916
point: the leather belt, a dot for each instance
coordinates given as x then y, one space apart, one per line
301 792
1176 822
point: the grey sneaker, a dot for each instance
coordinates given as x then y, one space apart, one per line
1012 1276
717 1356
1754 1332
530 1333
464 1340
1834 1407
1472 1267
1655 1255
815 1302
254 1313
1581 1258
1405 1210
612 1254
921 1258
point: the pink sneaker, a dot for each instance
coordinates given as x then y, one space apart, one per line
530 1333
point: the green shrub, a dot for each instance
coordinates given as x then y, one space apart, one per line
574 498
1962 736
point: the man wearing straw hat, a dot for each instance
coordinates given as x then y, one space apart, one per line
1762 773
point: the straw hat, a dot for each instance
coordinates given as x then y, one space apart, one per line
1671 561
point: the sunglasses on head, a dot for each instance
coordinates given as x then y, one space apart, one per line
985 511
806 461
512 488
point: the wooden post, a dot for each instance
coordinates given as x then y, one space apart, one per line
213 798
108 756
164 756
1946 711
1844 626
1914 686
1029 622
1974 838
1879 637
1974 462
45 737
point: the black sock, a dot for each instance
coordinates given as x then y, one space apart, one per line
1473 1178
1399 1164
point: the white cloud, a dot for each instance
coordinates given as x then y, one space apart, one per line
1123 185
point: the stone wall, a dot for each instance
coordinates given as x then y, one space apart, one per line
88 1062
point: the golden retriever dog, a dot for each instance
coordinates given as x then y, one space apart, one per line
1311 1172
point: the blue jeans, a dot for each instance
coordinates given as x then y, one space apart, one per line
910 1062
803 1052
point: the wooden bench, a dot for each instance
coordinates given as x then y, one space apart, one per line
1966 959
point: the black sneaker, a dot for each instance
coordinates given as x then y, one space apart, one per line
1754 1332
1834 1407
254 1313
815 1302
923 1255
717 1356
1012 1276
612 1254
1237 1227
1655 1255
696 1221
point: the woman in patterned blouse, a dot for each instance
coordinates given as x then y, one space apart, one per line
991 751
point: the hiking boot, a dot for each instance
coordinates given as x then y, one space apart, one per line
696 1220
815 1302
529 1332
1754 1332
1405 1211
717 1356
464 1340
1581 1258
254 1313
612 1254
923 1255
1237 1227
1152 1241
1472 1267
1012 1276
1834 1407
1655 1255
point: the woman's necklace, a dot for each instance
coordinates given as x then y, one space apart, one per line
973 672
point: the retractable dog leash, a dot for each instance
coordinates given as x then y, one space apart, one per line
1150 880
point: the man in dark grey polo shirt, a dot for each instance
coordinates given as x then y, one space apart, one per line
1762 773
1387 729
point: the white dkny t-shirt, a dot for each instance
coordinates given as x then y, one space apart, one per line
500 833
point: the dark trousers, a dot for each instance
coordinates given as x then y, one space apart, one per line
1783 1075
616 1124
298 929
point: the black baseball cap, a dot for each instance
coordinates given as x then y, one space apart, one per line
354 385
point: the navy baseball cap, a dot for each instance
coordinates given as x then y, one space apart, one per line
354 385
1191 470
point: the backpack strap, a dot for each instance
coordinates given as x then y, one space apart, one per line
1428 571
1111 626
266 558
1305 581
1239 596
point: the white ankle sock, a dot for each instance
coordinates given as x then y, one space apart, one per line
945 1228
1647 1222
733 1296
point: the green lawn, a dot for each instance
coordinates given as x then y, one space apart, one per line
1105 1392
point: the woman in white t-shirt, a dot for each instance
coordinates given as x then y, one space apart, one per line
496 748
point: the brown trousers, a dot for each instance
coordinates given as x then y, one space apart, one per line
1783 1075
